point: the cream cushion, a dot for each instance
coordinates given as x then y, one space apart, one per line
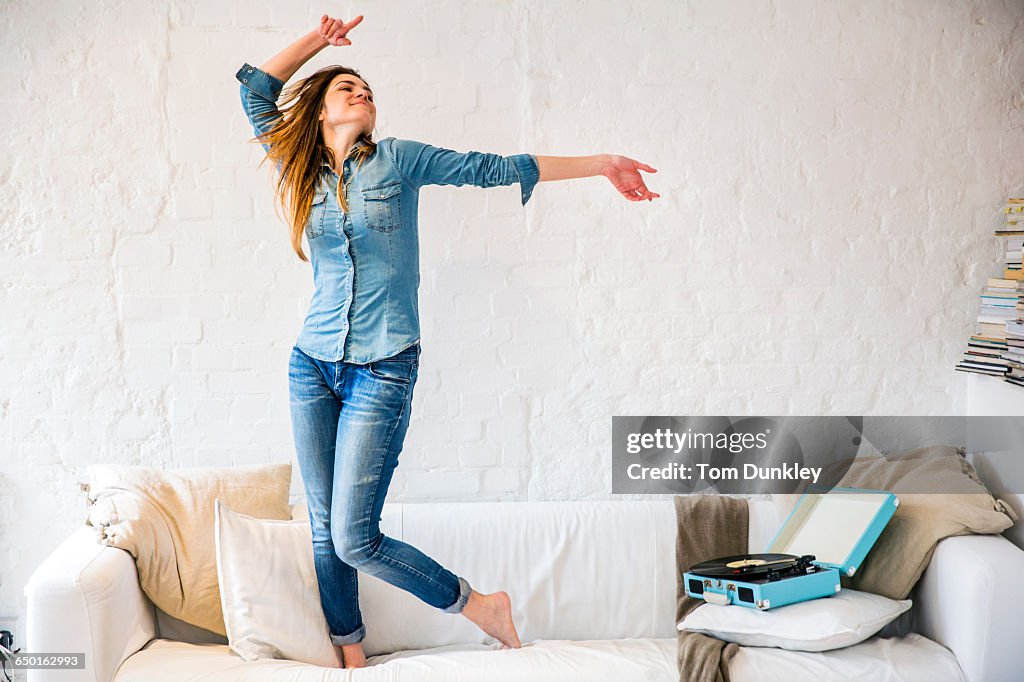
165 520
940 496
268 590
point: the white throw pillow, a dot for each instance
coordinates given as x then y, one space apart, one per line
268 589
823 624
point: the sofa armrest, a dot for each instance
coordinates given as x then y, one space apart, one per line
85 598
970 600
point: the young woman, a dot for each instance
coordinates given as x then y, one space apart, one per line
355 363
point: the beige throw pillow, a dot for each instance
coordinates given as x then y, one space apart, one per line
959 505
165 519
269 591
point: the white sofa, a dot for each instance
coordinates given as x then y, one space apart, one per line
593 592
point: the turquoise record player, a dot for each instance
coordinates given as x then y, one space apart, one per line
827 534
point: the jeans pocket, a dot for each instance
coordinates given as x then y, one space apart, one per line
390 369
382 207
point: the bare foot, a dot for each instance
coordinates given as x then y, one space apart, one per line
351 655
492 613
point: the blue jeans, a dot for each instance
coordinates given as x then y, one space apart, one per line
349 422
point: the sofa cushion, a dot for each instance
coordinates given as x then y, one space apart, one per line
164 518
539 661
909 659
834 622
551 558
940 496
269 591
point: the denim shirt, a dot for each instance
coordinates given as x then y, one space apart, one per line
365 262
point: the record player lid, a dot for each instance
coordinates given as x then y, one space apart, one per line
838 526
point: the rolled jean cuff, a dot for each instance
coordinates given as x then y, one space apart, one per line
354 638
460 603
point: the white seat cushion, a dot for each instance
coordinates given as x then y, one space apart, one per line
907 659
652 660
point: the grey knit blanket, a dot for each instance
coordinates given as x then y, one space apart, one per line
708 527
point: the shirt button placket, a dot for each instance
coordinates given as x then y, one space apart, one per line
350 293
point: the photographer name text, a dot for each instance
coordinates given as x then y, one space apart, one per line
708 472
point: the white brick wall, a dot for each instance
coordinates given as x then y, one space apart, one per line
829 171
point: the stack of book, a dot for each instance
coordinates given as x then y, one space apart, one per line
1013 230
986 347
997 347
1014 353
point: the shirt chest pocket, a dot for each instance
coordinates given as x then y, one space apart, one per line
383 207
317 216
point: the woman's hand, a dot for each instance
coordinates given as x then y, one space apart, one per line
624 174
333 31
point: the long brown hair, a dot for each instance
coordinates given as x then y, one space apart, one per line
297 148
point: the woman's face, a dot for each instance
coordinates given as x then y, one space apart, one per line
349 100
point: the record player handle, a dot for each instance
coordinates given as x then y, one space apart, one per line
714 598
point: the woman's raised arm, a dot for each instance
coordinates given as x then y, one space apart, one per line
285 63
261 87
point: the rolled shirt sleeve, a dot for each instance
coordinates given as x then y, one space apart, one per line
259 92
423 164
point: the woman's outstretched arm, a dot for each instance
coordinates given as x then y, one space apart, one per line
424 164
621 171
